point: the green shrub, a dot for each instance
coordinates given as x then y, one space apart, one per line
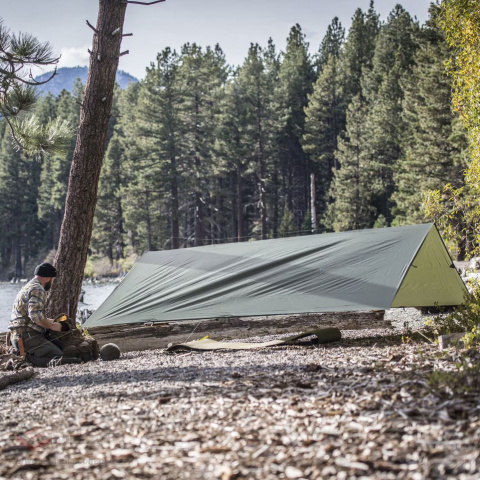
127 263
465 318
464 379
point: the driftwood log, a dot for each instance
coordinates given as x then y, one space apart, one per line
159 335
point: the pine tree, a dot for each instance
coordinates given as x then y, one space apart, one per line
295 81
160 128
434 144
55 169
201 77
352 188
358 51
325 120
331 45
143 188
18 54
394 52
356 62
108 224
19 180
256 86
272 64
287 226
231 152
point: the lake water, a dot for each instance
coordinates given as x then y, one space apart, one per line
95 295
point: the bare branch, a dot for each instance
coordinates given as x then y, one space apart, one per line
126 52
127 35
145 3
89 51
35 82
79 103
92 27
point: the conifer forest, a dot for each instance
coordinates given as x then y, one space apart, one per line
289 143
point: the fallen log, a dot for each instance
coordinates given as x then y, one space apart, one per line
160 335
10 378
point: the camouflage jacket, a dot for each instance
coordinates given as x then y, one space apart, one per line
29 307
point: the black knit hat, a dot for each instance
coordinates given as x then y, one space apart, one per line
46 270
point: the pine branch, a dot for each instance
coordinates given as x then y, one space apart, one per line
33 138
35 82
17 94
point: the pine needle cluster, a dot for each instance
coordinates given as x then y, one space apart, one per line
18 54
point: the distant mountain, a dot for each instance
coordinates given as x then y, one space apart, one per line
66 77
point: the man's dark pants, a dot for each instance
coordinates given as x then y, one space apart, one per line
41 352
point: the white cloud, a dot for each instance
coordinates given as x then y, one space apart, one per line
73 57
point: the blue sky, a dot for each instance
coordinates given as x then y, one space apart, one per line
232 24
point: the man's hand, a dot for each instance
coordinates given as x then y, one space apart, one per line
50 324
55 326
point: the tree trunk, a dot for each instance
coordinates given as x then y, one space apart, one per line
263 174
199 228
175 227
199 231
263 198
58 227
149 222
239 202
87 159
462 247
110 252
276 198
119 244
313 207
234 222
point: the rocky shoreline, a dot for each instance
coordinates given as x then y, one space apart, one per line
358 408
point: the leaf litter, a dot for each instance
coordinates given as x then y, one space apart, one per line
359 408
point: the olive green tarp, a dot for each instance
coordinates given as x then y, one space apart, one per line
348 271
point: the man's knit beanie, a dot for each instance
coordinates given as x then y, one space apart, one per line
46 270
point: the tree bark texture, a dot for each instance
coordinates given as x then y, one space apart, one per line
313 209
239 202
10 378
175 229
87 159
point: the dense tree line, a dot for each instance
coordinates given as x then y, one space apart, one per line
200 152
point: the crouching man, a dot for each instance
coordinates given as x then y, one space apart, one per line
29 325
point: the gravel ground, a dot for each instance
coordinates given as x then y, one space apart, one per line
359 408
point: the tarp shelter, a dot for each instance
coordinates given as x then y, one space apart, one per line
348 271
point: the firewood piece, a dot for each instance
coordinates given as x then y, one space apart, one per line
10 378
